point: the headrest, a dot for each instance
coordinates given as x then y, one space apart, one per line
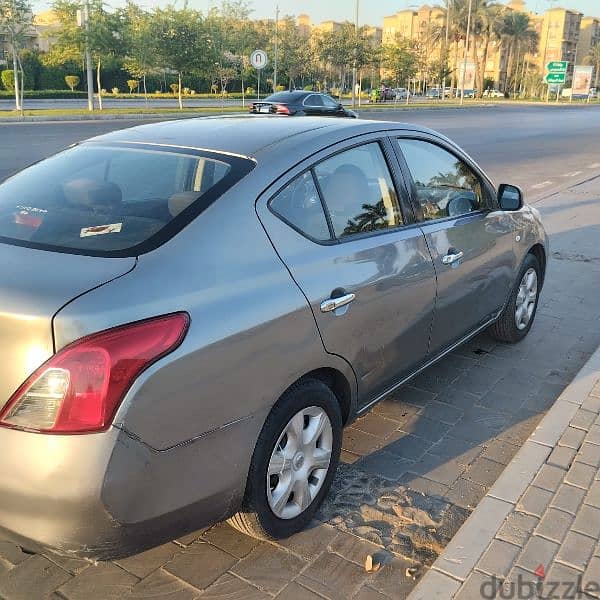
92 194
180 201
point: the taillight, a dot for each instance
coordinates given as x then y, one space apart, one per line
282 109
80 388
252 108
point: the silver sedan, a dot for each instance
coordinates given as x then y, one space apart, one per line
191 311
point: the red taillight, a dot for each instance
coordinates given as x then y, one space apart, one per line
252 108
80 388
282 109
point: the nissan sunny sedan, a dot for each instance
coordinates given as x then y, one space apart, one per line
190 312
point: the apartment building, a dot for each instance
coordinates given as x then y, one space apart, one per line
560 38
588 37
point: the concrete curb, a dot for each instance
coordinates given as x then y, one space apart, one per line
465 549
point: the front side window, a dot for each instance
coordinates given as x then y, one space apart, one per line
443 185
300 205
106 199
330 102
358 191
313 100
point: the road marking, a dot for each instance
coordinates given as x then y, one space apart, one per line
594 166
539 186
572 173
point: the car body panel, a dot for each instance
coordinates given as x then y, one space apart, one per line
177 455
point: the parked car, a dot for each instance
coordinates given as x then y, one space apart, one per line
433 93
493 94
401 93
191 311
301 103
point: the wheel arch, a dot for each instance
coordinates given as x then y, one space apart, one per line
539 252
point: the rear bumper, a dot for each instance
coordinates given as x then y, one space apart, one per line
107 495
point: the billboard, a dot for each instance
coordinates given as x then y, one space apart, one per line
582 80
469 75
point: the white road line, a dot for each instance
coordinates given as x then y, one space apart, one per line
572 173
539 186
594 166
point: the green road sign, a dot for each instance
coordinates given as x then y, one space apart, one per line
555 77
557 66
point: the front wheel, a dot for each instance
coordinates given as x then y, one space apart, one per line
517 317
293 464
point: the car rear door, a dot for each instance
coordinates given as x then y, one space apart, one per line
343 228
470 239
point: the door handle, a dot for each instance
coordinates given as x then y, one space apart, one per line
452 257
332 303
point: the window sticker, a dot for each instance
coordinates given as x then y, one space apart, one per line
101 229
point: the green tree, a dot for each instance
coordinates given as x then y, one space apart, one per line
400 60
519 38
182 42
15 20
594 58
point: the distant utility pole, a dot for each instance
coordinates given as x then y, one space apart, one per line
354 70
446 48
276 48
464 70
83 20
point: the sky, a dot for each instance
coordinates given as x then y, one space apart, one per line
370 11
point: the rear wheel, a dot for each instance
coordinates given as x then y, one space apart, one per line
517 318
293 464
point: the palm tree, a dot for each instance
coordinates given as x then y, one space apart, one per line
492 19
517 36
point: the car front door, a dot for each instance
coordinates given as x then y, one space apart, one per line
314 105
340 228
470 239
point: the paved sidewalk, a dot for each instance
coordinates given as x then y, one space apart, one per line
536 533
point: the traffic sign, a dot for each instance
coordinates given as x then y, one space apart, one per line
557 66
258 59
555 77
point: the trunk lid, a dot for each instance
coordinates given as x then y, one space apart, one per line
34 286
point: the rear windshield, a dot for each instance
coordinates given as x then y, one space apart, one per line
284 97
112 200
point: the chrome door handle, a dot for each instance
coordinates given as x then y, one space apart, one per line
452 258
332 303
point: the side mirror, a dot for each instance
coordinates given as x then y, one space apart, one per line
510 197
340 106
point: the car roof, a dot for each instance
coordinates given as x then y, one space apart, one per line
244 135
288 96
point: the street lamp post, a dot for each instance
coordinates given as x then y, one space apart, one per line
354 70
448 4
464 69
276 48
83 20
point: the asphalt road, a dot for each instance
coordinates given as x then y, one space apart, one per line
541 148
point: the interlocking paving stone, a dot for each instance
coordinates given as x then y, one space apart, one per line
478 381
458 398
465 493
555 524
351 547
549 478
572 438
436 586
592 403
333 577
396 409
269 568
408 447
144 563
537 551
463 451
484 471
593 496
311 541
214 563
591 578
562 457
190 538
430 430
442 411
583 419
376 424
295 591
534 501
500 400
580 475
232 588
425 486
12 553
385 464
566 577
593 436
414 395
576 550
588 521
517 528
35 577
589 454
161 585
472 588
498 558
359 442
443 470
368 593
230 540
71 565
568 498
500 451
114 582
393 579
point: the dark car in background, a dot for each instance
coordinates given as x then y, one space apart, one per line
301 103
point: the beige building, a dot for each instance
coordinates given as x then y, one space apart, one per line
589 37
560 37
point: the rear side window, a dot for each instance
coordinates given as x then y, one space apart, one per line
300 206
112 200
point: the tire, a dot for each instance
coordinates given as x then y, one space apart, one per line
505 329
257 518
